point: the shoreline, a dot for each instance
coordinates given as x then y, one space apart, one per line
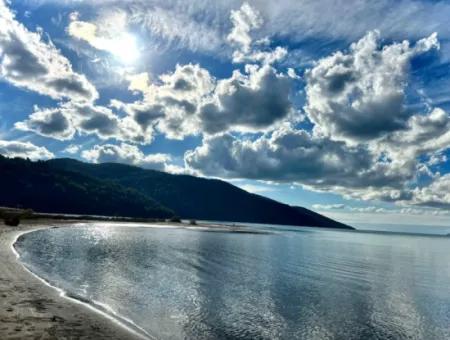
30 307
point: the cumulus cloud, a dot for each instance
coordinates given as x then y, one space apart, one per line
63 121
364 143
24 150
247 102
190 101
244 20
27 61
291 155
423 134
171 104
436 194
360 95
52 123
128 154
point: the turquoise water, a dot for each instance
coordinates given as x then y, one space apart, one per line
285 283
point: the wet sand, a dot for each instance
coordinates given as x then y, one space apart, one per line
29 309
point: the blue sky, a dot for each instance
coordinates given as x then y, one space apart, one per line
339 106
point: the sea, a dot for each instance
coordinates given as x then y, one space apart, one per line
252 282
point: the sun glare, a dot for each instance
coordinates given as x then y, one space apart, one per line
124 48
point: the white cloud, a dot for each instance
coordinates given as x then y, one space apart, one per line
190 101
365 143
139 82
24 150
27 61
109 33
359 95
72 149
328 206
176 24
254 188
129 154
204 25
437 194
423 134
171 104
244 21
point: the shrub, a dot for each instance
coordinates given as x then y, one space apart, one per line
193 222
12 221
175 219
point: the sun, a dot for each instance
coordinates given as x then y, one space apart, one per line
124 48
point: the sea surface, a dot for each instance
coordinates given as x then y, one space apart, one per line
268 283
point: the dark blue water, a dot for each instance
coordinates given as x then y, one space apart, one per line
286 284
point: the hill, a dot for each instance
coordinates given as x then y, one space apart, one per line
71 186
199 198
37 186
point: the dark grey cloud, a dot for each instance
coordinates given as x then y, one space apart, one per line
182 85
52 123
290 155
104 125
254 101
63 121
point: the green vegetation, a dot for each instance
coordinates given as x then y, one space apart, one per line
38 186
12 217
175 219
70 186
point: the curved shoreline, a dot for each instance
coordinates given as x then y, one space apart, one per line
31 307
95 306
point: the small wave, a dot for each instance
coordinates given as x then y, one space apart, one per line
96 306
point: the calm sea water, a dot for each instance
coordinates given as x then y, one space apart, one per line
286 283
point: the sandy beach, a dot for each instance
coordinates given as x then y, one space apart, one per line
29 309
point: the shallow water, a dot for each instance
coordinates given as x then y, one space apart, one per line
287 284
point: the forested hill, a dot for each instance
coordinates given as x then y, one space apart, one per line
42 188
57 186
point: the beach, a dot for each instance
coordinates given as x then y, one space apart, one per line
176 281
30 309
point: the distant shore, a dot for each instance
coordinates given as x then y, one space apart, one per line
30 309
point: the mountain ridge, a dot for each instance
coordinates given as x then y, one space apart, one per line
186 196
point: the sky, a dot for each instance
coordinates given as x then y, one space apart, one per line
341 106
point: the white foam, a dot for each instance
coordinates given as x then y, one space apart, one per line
115 317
